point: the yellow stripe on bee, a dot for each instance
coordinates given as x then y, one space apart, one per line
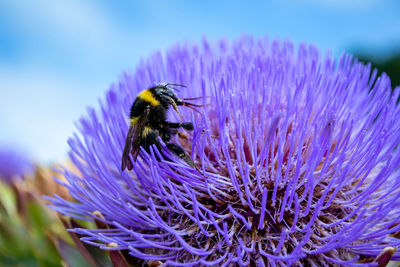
147 96
146 131
134 120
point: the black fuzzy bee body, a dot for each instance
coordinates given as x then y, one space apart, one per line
148 121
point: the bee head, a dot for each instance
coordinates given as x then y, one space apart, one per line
164 93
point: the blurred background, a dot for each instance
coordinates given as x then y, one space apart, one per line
58 57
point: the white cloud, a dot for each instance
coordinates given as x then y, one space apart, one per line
65 31
40 101
70 20
38 108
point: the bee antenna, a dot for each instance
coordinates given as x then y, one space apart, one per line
175 84
170 85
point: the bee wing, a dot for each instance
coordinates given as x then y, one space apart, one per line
132 142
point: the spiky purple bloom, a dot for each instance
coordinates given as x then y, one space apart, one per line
14 164
300 154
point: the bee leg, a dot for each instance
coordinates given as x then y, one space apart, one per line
192 98
177 150
187 104
185 125
181 153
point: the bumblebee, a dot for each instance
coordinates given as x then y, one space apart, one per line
148 121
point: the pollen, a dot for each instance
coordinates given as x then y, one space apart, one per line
146 131
112 245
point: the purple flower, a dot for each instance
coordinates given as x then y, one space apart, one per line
14 164
298 156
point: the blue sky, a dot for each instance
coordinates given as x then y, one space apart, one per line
58 57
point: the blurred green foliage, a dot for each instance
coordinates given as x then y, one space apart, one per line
30 233
24 238
389 65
